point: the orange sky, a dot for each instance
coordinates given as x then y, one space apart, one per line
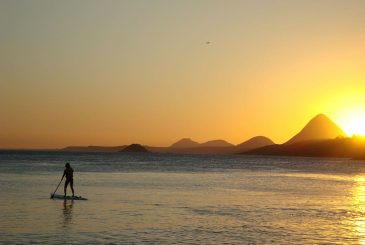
120 72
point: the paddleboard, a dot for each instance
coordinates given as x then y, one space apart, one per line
57 196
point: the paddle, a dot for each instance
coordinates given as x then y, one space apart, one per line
52 195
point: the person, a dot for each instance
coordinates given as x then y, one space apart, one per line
69 173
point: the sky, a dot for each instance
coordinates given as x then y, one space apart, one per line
152 72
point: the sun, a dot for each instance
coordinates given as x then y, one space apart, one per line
352 121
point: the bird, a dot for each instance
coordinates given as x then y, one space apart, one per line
207 42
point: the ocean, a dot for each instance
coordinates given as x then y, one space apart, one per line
181 199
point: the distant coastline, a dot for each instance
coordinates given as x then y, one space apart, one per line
320 137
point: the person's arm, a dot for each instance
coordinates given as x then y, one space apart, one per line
64 173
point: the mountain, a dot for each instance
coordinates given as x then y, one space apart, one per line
253 143
319 138
134 148
320 127
204 150
216 143
185 143
187 146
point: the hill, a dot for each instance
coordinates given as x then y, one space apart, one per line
216 143
320 127
188 146
135 148
253 143
203 150
340 147
215 146
185 143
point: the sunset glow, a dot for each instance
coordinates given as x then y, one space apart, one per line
355 125
359 203
352 121
90 73
182 121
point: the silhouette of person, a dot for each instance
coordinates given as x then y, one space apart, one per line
69 173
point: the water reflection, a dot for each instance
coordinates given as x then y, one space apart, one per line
67 212
359 201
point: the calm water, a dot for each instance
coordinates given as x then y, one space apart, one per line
172 199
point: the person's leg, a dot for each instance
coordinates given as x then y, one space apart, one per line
72 187
65 188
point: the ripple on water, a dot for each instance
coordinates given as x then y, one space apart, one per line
255 201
